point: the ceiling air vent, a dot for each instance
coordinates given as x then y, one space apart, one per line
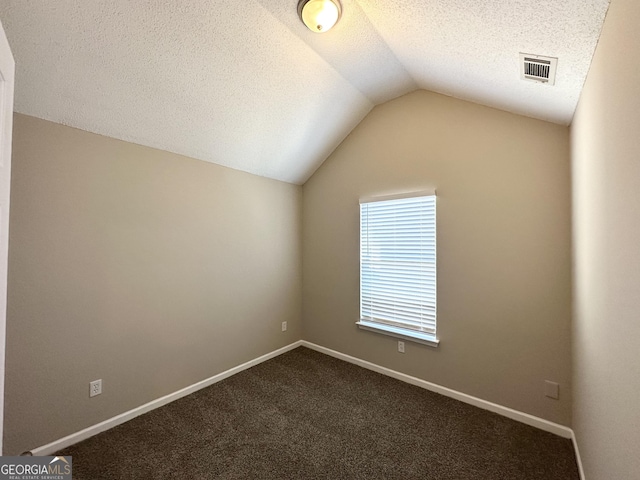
537 68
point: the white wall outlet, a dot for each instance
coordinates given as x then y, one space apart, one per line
284 326
401 347
551 390
95 388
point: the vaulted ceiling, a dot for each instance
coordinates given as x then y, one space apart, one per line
245 84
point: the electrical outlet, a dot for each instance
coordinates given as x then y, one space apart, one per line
401 347
284 326
95 388
551 390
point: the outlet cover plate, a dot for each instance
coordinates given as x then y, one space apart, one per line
551 390
95 388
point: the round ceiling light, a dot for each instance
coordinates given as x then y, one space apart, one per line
319 15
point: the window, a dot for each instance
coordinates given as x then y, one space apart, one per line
398 267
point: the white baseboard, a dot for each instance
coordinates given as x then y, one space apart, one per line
522 417
525 418
574 440
147 407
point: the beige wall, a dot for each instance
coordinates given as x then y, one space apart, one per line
504 286
148 270
606 172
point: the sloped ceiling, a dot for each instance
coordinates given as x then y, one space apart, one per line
244 84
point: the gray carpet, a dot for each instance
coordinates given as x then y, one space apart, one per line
304 415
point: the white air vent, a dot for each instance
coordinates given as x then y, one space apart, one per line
537 68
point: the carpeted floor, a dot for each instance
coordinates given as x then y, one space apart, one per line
304 415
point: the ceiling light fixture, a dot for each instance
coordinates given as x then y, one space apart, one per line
319 15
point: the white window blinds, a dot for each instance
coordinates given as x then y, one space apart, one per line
398 263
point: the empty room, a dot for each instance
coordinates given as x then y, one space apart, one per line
328 239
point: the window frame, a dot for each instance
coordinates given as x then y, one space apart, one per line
398 331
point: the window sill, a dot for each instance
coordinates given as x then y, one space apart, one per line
418 337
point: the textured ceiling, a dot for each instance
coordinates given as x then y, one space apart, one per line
246 85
